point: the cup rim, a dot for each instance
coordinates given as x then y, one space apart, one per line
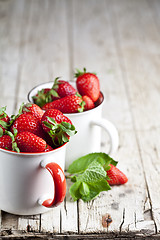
68 114
33 154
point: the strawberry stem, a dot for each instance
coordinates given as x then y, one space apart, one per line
12 136
59 132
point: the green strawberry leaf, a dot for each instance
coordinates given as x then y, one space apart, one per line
59 132
2 112
4 124
1 132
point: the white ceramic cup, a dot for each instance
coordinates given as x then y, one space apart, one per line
32 183
88 125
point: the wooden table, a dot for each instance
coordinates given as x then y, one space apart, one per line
120 40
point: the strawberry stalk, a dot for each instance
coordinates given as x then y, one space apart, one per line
79 72
43 97
12 136
59 132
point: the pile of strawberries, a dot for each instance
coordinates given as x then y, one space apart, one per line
64 97
32 130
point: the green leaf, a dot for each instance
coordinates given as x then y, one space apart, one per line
84 189
4 124
81 164
95 172
89 175
95 189
1 132
74 191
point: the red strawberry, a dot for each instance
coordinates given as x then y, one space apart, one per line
99 100
4 119
27 122
33 109
68 104
58 126
116 176
6 142
29 142
88 84
48 148
64 88
89 104
59 89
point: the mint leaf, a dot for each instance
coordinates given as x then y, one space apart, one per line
84 189
81 164
74 191
95 189
89 176
93 173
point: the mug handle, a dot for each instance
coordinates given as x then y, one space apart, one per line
59 185
112 132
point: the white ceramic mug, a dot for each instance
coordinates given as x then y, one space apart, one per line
88 125
31 183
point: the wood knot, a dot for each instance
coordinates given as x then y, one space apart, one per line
106 220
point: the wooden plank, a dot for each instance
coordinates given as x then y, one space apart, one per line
141 65
44 57
149 146
98 39
9 48
10 32
45 54
138 40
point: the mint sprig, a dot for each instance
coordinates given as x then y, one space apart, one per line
89 176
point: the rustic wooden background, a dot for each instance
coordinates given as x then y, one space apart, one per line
120 40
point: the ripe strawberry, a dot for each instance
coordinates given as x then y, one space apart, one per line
59 89
64 88
99 100
48 148
58 126
6 142
27 122
33 109
116 176
88 84
4 120
89 104
29 142
68 104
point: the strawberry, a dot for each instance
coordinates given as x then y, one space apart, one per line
99 100
63 88
48 148
89 104
29 142
68 104
6 142
58 126
116 177
88 84
27 122
59 89
33 109
4 120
